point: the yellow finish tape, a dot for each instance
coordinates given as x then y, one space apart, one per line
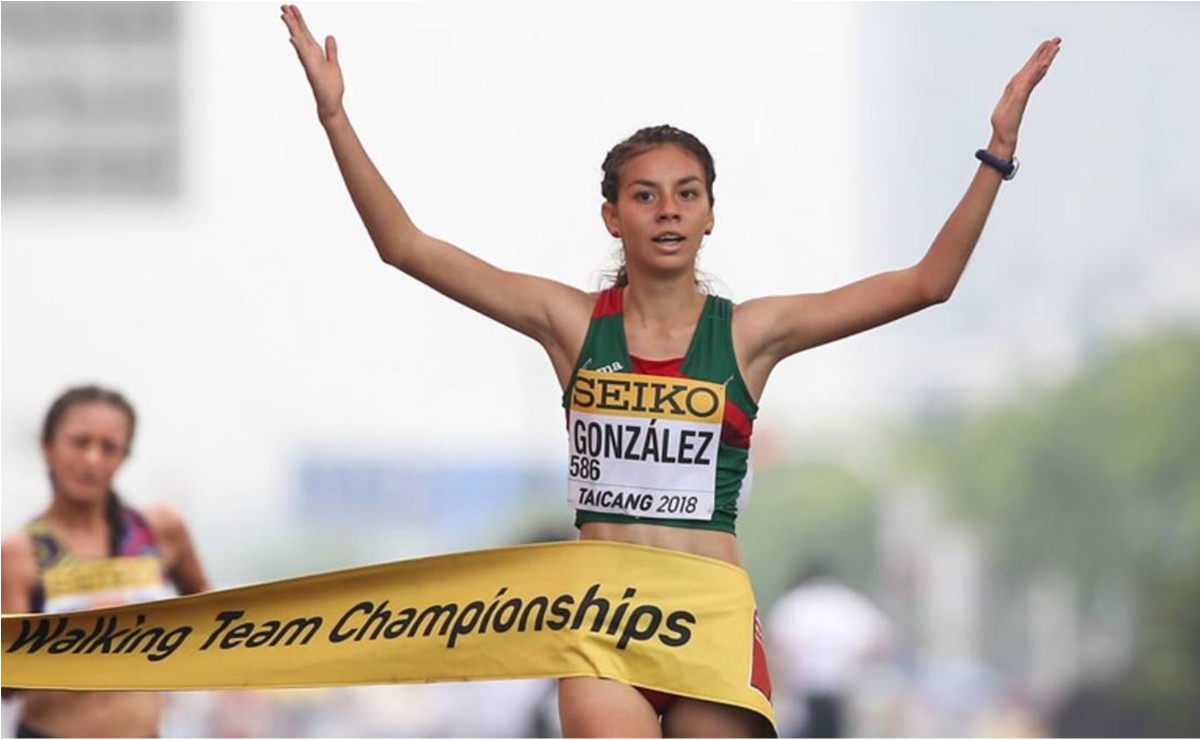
658 619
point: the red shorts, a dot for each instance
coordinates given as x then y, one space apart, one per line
760 678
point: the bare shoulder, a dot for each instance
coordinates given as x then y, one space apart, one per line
166 521
573 304
569 319
557 311
765 331
17 549
759 325
581 304
177 550
18 572
753 309
755 313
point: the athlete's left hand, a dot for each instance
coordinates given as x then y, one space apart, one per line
320 64
1007 116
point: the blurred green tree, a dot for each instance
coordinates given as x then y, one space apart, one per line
1099 478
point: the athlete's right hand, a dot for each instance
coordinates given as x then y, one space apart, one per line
321 66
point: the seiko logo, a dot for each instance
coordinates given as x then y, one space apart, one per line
657 396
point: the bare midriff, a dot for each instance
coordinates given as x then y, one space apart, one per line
708 543
93 714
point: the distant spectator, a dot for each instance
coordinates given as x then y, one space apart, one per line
821 635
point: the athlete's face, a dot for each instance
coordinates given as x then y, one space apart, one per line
662 210
87 449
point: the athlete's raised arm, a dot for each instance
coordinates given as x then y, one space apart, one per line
554 314
179 554
769 329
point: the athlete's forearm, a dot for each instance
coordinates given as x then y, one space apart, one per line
943 264
390 228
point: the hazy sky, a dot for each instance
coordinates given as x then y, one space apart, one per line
251 322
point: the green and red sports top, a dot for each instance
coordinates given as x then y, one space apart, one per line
663 442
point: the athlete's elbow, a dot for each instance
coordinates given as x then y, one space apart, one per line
402 250
390 258
932 295
930 291
928 287
395 255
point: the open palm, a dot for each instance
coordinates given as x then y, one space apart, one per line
1007 116
320 65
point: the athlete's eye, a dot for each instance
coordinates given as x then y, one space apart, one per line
689 194
643 196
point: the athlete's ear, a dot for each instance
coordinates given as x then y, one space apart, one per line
709 223
612 221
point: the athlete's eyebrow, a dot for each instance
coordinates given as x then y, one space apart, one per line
682 181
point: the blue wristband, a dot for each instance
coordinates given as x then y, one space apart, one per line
1007 169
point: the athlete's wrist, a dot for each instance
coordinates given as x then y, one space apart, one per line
331 117
1002 148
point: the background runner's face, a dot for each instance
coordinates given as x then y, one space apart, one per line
86 451
662 210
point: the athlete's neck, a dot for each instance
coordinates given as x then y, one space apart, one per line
663 306
79 518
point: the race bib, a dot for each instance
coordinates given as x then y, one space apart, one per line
90 584
644 445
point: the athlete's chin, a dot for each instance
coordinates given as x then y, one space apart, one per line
84 491
668 267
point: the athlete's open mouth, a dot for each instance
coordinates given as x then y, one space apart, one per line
669 237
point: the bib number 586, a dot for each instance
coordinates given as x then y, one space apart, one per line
584 467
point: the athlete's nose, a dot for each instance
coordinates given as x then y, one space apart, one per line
669 210
92 454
